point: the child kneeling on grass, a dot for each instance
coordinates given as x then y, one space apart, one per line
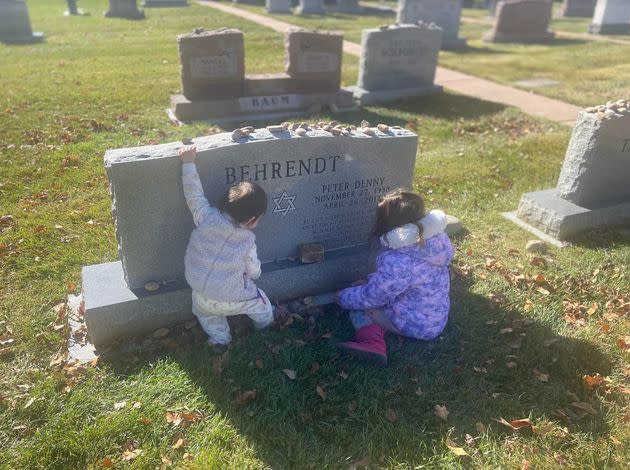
221 262
409 292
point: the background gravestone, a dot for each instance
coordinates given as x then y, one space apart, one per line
611 17
578 8
15 23
525 21
592 189
212 63
445 13
278 6
321 189
164 3
124 9
398 61
310 7
348 6
314 59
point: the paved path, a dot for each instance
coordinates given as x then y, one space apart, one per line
560 34
528 102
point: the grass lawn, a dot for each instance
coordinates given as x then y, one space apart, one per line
523 332
588 72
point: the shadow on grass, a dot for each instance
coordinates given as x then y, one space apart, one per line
336 409
603 238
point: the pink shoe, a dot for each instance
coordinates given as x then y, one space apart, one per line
368 344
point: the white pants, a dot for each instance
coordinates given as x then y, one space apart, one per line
212 315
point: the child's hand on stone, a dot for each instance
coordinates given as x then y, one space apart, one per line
188 154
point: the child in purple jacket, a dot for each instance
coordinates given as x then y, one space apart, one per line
409 292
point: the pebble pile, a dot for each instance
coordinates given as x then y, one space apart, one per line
612 109
333 127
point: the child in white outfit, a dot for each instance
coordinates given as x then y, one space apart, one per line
221 262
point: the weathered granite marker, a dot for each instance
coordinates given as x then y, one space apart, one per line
593 189
124 9
310 7
15 23
611 17
578 8
348 6
322 189
398 61
525 21
445 13
278 6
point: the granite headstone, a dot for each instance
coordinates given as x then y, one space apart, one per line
310 7
398 61
592 189
15 23
525 21
611 17
445 13
348 6
322 189
578 8
124 9
278 6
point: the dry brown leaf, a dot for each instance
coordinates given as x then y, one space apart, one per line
526 465
593 382
178 441
515 424
391 415
320 391
290 373
441 412
166 460
541 376
107 463
459 451
131 454
120 405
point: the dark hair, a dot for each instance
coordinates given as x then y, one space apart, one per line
243 202
398 207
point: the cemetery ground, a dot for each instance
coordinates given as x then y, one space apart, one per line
536 341
587 72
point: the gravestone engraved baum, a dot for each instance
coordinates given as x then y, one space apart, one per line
310 7
164 3
445 13
592 189
124 9
278 6
215 86
322 189
398 61
578 8
525 21
15 23
611 17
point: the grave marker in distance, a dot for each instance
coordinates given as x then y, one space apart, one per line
15 23
445 13
611 17
525 21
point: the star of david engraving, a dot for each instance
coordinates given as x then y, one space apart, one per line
280 206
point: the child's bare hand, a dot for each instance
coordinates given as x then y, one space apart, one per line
188 154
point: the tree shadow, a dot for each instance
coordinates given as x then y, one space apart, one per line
603 238
491 362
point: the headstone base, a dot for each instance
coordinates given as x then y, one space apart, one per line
310 10
452 44
620 28
113 311
561 219
164 4
522 38
259 107
33 38
133 14
368 97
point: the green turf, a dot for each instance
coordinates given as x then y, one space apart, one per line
101 83
588 72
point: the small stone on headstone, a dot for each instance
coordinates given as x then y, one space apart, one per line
310 253
152 286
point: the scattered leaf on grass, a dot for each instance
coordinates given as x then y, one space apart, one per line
131 454
182 418
136 405
541 376
459 451
290 373
259 364
525 464
320 391
120 405
593 382
441 412
178 441
245 397
391 415
107 463
515 424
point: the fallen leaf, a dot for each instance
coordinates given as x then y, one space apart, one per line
178 441
515 424
540 376
441 412
166 460
259 364
290 373
511 364
320 391
593 382
391 415
525 464
543 291
136 405
245 397
120 405
107 463
460 452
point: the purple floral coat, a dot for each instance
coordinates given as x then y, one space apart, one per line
411 285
